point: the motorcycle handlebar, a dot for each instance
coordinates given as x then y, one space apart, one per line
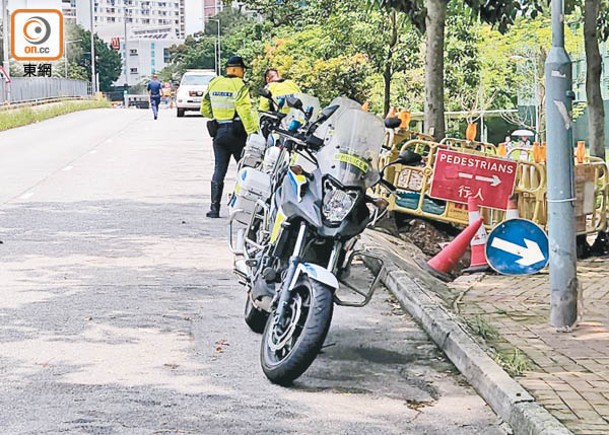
293 136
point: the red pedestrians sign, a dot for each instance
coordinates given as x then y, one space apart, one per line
457 176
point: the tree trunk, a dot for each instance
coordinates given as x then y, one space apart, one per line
387 79
388 73
596 111
434 68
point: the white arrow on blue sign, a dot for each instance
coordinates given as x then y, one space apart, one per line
517 247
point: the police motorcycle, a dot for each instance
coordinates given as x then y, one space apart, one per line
314 220
251 207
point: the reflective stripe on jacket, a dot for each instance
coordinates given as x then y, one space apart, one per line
224 97
282 88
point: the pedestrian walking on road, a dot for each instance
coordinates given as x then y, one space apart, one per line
154 92
227 102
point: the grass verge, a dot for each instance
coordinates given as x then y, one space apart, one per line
512 360
30 115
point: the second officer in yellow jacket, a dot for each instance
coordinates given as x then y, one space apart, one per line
279 87
227 102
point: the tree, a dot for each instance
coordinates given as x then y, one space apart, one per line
430 16
435 21
595 28
108 63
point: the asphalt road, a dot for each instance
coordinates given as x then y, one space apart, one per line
120 314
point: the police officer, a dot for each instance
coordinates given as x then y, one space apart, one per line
279 87
227 101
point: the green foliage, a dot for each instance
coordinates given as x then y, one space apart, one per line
311 58
481 327
500 13
514 362
331 47
462 75
108 62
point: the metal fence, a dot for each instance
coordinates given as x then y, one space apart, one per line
26 89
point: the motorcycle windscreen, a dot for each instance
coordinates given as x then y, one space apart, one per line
326 128
352 153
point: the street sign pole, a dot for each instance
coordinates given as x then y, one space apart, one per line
5 47
561 190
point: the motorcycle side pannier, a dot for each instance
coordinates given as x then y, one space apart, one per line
251 186
253 153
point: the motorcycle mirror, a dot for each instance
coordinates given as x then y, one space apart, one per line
409 158
327 112
294 102
393 122
264 92
324 115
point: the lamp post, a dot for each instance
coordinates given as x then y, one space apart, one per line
93 73
5 44
218 50
561 189
126 54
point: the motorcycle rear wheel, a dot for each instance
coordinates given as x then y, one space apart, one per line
288 349
255 318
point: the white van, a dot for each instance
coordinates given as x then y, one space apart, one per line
192 88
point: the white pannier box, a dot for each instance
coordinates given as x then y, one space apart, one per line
253 152
251 186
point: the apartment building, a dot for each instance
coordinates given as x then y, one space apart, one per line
68 8
137 13
149 27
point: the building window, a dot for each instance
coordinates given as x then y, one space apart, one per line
166 55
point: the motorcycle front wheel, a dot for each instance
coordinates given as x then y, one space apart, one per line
290 345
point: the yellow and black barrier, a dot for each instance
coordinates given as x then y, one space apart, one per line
530 190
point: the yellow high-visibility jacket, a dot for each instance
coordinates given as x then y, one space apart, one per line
282 88
226 96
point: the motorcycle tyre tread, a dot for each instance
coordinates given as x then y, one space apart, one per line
254 318
309 343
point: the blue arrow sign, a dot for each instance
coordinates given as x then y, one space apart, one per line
517 247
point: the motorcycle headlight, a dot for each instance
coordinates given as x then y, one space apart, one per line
338 204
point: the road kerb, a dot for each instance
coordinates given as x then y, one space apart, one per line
504 395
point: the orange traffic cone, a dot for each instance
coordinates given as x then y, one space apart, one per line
445 261
478 259
512 208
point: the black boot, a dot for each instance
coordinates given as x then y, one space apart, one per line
216 198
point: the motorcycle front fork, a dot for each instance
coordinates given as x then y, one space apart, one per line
295 259
290 278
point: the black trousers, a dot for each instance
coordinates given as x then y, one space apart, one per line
226 144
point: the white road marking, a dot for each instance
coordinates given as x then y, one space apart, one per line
68 168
